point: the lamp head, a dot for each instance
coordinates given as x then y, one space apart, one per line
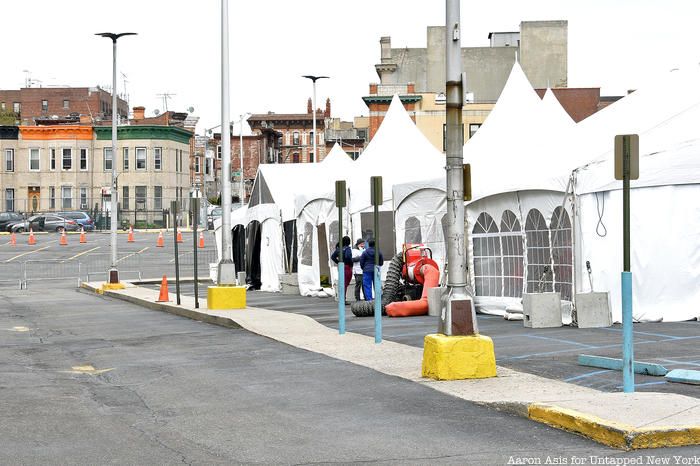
115 36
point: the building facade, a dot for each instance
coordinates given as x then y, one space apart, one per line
69 167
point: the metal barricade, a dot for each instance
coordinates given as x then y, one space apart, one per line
50 269
94 265
11 273
204 258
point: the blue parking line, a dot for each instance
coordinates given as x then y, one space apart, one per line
671 362
619 330
560 340
589 374
645 384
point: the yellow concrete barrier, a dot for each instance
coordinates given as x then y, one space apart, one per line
220 298
458 357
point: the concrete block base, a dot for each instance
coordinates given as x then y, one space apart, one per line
458 357
221 298
542 310
593 310
289 283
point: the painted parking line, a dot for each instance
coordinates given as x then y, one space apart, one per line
180 255
25 253
132 254
81 253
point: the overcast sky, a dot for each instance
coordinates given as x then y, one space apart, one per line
613 44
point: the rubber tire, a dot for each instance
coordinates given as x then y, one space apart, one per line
393 288
362 308
19 230
59 229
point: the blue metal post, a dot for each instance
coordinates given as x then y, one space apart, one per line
341 293
377 300
627 337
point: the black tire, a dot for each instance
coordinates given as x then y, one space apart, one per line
393 288
20 230
362 308
59 229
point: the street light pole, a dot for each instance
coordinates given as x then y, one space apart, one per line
226 269
113 273
313 110
240 134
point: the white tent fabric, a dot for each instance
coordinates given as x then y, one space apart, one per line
271 254
337 160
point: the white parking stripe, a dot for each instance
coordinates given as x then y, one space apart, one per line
81 253
25 253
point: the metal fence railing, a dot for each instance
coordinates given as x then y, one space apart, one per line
13 273
50 269
97 265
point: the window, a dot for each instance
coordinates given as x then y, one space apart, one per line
53 159
311 138
66 103
10 199
218 152
562 252
197 166
34 159
52 197
488 274
140 158
44 105
83 198
311 156
107 159
295 157
444 137
412 232
125 197
125 155
539 259
2 106
16 107
83 159
295 138
67 160
157 197
9 160
66 197
158 158
140 197
473 127
512 246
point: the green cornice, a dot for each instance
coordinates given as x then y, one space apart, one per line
386 99
170 133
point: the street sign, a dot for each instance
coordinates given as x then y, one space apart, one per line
627 143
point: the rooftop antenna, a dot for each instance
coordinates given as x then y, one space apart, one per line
165 96
124 81
26 77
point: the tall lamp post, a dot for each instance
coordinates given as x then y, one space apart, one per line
313 110
113 273
244 116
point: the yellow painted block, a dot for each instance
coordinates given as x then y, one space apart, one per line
458 357
220 298
113 286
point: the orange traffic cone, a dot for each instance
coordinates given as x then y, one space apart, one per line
83 238
32 240
13 239
201 240
63 241
163 295
130 238
159 242
179 236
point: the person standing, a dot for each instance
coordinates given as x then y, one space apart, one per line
347 261
356 268
367 264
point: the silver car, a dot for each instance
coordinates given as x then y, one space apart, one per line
46 223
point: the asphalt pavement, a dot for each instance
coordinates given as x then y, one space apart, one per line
86 379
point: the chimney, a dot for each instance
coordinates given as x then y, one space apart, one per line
327 113
385 43
85 119
309 108
139 113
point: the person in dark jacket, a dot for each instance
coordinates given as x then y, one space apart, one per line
367 264
347 261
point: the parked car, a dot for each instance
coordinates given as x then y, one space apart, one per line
45 223
83 218
213 215
8 218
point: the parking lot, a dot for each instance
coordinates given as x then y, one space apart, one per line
141 259
550 353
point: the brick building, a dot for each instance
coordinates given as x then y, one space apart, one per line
296 133
37 105
580 102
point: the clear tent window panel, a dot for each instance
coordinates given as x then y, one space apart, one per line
412 231
512 248
539 257
562 252
488 271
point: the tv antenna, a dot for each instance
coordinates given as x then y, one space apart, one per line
124 81
165 96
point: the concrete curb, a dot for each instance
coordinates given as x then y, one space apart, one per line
556 397
610 433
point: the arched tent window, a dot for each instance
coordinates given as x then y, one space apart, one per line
443 223
512 246
488 274
306 239
412 233
333 237
538 254
562 252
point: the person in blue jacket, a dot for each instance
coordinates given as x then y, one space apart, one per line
367 264
347 261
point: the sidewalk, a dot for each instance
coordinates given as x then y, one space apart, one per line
627 421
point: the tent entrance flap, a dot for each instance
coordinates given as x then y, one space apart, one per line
386 231
323 250
238 235
261 192
290 242
253 271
